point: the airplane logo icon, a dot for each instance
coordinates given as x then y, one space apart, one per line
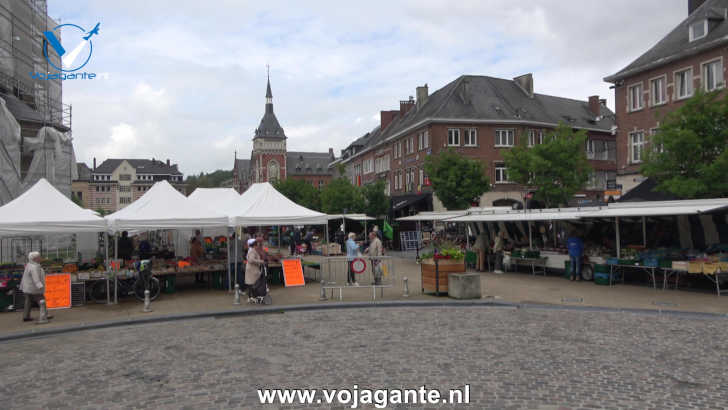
95 30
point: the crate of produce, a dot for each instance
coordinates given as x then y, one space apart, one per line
629 261
723 266
665 263
695 267
680 265
533 254
516 253
612 261
709 268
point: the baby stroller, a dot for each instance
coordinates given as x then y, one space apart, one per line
258 292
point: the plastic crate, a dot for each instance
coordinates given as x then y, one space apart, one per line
78 294
601 278
612 261
602 269
567 271
168 283
665 263
695 267
651 262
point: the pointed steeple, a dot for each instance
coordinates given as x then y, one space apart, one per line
269 126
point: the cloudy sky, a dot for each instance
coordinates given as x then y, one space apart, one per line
185 80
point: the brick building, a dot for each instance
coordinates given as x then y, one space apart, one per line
690 57
118 182
271 161
478 117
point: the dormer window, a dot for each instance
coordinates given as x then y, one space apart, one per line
698 29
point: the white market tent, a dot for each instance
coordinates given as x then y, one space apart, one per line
223 200
163 207
43 209
353 217
447 215
261 205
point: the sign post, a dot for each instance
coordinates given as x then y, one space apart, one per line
58 291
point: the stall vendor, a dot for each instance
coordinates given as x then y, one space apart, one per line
196 253
125 246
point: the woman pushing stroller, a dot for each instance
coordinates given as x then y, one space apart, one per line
255 279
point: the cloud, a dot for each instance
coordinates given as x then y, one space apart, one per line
188 83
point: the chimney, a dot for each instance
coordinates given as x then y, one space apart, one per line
694 5
603 102
387 117
422 94
406 105
167 161
94 163
331 153
526 83
595 105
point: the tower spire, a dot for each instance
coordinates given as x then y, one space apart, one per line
268 93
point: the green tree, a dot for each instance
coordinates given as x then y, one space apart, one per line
76 200
456 180
300 192
557 169
375 199
688 156
341 196
214 179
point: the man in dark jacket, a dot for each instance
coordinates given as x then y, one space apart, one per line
126 247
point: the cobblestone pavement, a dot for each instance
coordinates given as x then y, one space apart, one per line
511 358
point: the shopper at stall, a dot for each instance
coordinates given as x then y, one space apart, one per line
576 250
196 252
480 246
32 284
307 240
375 249
377 232
498 247
352 251
125 246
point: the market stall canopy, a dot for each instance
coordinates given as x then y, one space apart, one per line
353 217
510 215
261 204
43 209
163 207
660 208
443 215
223 200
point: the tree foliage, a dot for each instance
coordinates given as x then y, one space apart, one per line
693 159
340 196
214 179
300 192
456 180
376 200
556 169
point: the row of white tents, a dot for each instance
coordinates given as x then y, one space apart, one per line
44 210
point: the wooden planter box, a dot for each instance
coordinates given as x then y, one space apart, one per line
430 280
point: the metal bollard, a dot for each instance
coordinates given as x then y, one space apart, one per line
43 315
406 288
323 291
236 301
147 302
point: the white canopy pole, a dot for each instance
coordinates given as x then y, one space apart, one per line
616 223
530 237
236 256
644 231
467 236
227 241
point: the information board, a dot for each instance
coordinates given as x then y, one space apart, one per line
292 272
58 291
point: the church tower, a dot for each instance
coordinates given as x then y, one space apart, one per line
268 159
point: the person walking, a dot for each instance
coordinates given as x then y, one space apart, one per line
352 251
480 246
576 250
254 269
32 284
375 249
125 247
307 240
498 246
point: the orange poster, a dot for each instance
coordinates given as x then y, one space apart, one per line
293 272
58 291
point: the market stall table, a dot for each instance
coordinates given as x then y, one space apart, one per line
620 268
534 263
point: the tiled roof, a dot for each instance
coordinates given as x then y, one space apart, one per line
142 166
676 44
308 163
472 98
